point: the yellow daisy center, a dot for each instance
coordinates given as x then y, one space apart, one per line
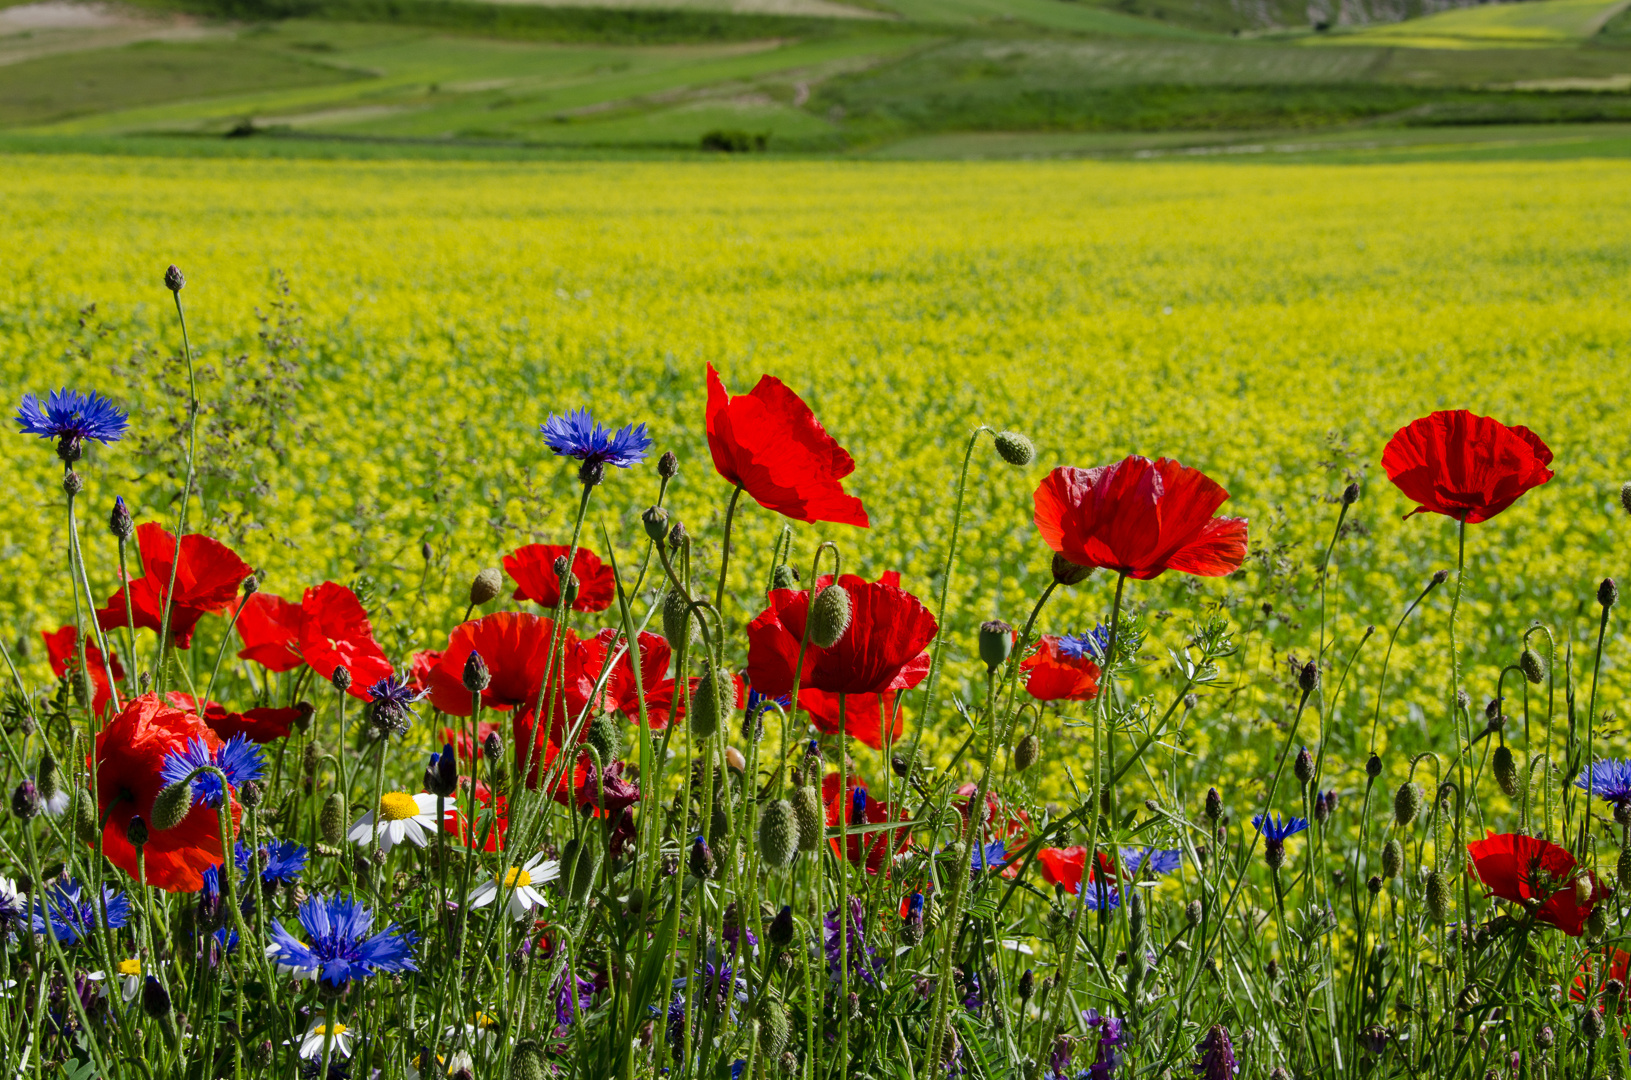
483 1020
397 806
336 1030
130 967
516 878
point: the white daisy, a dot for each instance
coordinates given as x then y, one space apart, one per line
311 1044
57 803
13 906
520 883
400 817
444 1066
129 974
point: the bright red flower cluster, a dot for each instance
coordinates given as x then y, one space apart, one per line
207 577
659 689
1538 876
327 630
260 725
871 849
1465 466
1054 675
533 569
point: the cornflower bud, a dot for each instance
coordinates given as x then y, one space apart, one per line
568 581
341 678
174 279
1392 858
1592 1025
678 537
72 482
1374 884
442 774
1373 766
1015 448
492 747
1350 494
476 677
1532 666
120 523
1193 912
1214 804
1608 593
155 999
996 641
1303 767
1440 576
249 795
781 928
1026 751
1191 701
1322 811
1407 802
1068 573
668 466
829 616
655 520
701 860
1308 679
1027 985
25 800
485 586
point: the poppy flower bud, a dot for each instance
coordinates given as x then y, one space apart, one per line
1407 802
331 819
1392 858
1214 804
1608 593
779 834
155 999
72 482
1067 573
1437 896
706 705
1026 751
701 860
341 678
476 677
774 1028
1373 766
568 581
1308 679
85 824
120 523
1532 666
1625 496
784 577
527 1062
173 279
1193 912
25 800
1350 494
1597 922
172 805
1506 770
606 736
1015 448
1303 767
829 616
1592 1025
812 820
585 868
679 624
655 520
996 640
485 586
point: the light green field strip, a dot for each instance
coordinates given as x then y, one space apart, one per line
827 9
1534 22
1057 14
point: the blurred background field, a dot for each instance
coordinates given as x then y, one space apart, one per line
381 340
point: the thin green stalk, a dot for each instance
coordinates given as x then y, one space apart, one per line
159 679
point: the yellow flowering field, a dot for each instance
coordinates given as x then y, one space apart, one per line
1272 325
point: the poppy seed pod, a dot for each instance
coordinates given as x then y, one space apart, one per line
1608 593
829 616
1026 751
1407 803
778 834
1532 666
120 523
1303 767
1350 494
476 677
341 678
706 705
784 577
1067 573
486 586
331 819
174 279
655 520
1437 896
996 641
606 736
1015 448
812 822
678 622
1392 858
172 804
1506 770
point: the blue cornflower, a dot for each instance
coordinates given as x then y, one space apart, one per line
993 856
72 915
1091 644
858 804
71 417
238 758
577 435
737 1068
1156 861
1101 898
341 948
285 861
1607 779
1110 1041
1275 831
758 702
393 699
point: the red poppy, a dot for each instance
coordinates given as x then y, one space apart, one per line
659 688
269 627
459 738
1140 518
207 580
1059 676
876 846
863 714
770 444
1594 974
335 633
533 568
129 754
420 665
1539 876
882 651
63 651
457 824
1063 866
515 648
260 725
1463 466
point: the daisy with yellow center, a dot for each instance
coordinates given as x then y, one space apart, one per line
336 1034
483 1027
129 974
398 817
519 886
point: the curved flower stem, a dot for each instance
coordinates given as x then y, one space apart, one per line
76 562
159 680
725 553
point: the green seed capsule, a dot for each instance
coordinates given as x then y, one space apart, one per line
606 736
679 624
1026 751
1015 448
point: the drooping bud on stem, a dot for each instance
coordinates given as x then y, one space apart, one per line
779 834
829 616
1068 573
1015 448
1532 666
172 805
1407 803
485 586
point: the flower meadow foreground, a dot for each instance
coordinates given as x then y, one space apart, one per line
614 827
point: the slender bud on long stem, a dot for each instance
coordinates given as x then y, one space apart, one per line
488 583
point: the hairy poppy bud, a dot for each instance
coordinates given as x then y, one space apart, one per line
476 677
85 825
1214 804
1026 751
784 577
155 999
172 805
585 868
485 586
1373 766
1532 666
1440 576
679 623
1506 770
1350 494
1193 912
1303 767
1608 593
1438 896
1066 572
655 520
1015 448
812 820
528 1061
331 819
773 1028
1308 679
120 523
706 705
701 860
668 466
1407 803
781 927
1597 922
1392 858
1625 496
996 641
341 678
606 736
174 279
568 581
25 800
829 616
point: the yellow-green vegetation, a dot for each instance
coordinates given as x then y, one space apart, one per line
1539 23
1270 325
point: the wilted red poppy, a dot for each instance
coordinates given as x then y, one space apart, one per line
1063 866
335 633
1464 466
1537 875
770 444
1058 674
883 649
62 649
533 568
659 688
260 725
129 753
269 627
876 846
1140 518
207 579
